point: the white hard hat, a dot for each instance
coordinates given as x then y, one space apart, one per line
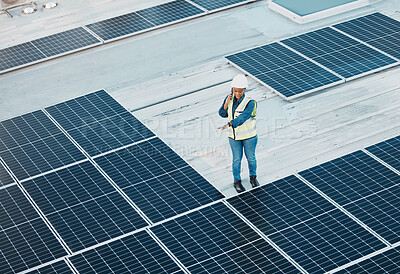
239 81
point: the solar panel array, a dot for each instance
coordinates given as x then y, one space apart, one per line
141 208
339 53
81 173
47 47
107 30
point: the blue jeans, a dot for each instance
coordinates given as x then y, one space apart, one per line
249 146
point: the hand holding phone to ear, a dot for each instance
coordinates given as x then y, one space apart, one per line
228 99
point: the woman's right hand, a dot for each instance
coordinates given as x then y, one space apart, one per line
228 99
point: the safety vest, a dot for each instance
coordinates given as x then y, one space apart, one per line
248 128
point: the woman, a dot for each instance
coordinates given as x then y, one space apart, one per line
241 112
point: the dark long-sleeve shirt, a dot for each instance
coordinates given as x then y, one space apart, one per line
246 114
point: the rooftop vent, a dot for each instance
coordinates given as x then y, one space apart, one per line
50 5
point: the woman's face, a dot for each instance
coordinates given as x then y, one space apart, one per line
238 92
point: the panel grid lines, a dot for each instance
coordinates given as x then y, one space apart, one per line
26 240
282 69
214 239
80 199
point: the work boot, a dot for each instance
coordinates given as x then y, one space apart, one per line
238 186
253 181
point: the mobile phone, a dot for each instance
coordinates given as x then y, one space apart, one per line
231 91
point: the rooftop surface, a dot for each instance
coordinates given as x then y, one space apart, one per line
174 79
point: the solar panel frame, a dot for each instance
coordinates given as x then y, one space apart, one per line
216 6
388 151
380 212
171 187
158 14
30 55
66 42
81 205
385 262
280 204
139 25
327 241
221 232
59 267
376 30
135 253
26 239
98 123
284 64
337 178
41 156
327 46
5 176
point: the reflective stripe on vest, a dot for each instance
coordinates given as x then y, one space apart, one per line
248 128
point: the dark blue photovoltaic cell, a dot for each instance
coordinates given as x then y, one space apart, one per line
59 267
215 240
325 242
137 253
5 178
26 129
169 12
110 133
216 4
172 193
282 69
380 212
25 239
65 41
157 180
387 262
41 156
281 204
351 177
140 162
18 55
338 52
83 206
98 123
120 26
85 110
377 30
388 151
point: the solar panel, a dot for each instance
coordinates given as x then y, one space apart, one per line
280 204
388 151
32 144
83 206
170 12
326 241
66 41
59 267
376 29
19 55
157 180
5 178
137 253
120 26
387 262
283 70
96 126
213 5
25 239
380 212
338 52
215 240
351 177
85 110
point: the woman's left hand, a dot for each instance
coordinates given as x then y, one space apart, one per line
224 127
